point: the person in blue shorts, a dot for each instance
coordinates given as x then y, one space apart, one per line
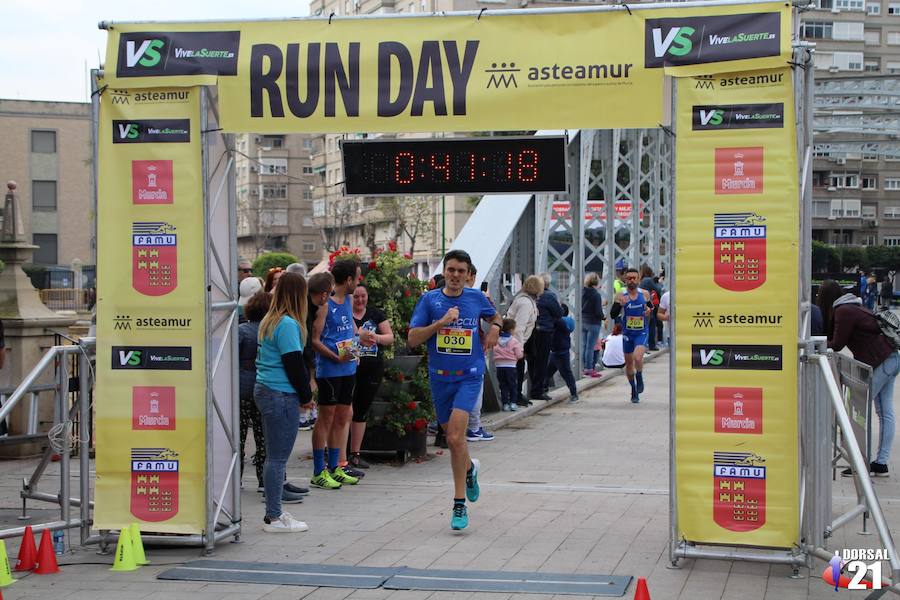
634 306
448 320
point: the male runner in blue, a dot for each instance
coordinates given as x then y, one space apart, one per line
448 320
635 305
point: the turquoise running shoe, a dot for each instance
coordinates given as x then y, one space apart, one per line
460 518
472 491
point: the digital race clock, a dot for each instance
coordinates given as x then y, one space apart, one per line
454 166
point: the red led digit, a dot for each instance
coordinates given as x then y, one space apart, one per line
471 166
528 165
509 166
404 168
442 166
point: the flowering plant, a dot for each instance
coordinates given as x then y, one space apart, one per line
394 289
410 407
343 253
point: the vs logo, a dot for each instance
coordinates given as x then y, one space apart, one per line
712 117
677 41
129 131
148 54
130 358
712 358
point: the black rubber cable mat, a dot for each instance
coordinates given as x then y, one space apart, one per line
509 582
342 576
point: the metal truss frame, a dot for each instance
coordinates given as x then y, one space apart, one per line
618 208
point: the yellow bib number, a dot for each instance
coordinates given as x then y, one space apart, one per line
634 323
454 341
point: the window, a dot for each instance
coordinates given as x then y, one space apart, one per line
43 142
851 209
821 209
870 182
893 38
850 4
873 38
46 253
307 170
868 239
309 247
873 8
892 212
307 194
275 191
894 8
272 166
848 31
892 183
844 180
43 196
872 66
273 218
891 240
276 141
824 4
820 178
893 67
869 156
869 211
308 144
818 30
318 208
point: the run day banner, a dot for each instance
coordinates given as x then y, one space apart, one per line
737 237
506 71
151 332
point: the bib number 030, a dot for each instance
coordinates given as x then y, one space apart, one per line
454 341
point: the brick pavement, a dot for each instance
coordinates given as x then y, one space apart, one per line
570 489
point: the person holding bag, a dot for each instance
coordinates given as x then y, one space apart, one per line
848 323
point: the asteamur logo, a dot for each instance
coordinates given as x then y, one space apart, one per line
697 40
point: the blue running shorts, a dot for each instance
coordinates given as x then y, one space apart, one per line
630 342
461 394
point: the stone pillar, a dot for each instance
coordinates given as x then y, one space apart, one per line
27 324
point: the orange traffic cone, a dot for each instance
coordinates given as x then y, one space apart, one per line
46 556
640 591
27 559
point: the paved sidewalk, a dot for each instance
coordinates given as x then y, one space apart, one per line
571 489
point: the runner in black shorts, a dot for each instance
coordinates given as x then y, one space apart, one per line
370 371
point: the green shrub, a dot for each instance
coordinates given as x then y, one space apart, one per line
266 261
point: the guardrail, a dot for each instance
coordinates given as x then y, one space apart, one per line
71 402
68 299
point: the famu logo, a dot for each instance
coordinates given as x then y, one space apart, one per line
143 54
151 131
737 116
698 40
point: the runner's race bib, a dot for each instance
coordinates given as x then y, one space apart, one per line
634 323
451 340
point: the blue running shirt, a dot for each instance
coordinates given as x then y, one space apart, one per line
633 319
455 352
337 335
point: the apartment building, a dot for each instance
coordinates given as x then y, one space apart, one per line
47 151
856 195
275 184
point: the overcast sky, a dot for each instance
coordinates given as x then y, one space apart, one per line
47 46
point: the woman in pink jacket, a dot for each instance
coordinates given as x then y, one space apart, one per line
507 353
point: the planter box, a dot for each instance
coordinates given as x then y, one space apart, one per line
379 439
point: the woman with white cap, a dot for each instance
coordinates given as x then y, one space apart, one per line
246 290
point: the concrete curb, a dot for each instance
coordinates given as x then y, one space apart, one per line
558 395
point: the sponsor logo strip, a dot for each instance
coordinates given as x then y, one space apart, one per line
737 116
742 357
143 54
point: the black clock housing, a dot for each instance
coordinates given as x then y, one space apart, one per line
506 165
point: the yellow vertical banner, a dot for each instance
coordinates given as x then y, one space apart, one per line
151 330
737 240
